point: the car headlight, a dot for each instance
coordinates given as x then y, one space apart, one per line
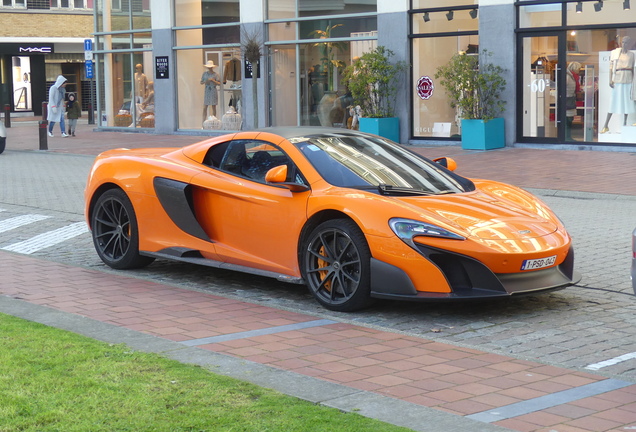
406 229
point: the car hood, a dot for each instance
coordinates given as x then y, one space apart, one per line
505 215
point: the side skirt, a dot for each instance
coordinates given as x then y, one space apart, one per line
194 257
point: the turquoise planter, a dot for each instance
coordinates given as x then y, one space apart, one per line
483 135
388 127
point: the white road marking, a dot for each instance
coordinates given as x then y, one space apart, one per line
48 239
612 361
18 221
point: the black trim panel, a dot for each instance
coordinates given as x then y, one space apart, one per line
176 199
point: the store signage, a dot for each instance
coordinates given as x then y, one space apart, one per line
161 67
425 87
26 49
44 50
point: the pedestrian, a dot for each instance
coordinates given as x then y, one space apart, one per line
56 105
73 112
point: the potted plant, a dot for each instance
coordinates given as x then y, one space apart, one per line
373 82
474 88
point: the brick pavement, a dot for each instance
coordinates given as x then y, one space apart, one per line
458 380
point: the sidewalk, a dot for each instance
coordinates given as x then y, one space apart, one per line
410 381
570 170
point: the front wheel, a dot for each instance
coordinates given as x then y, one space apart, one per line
115 231
336 265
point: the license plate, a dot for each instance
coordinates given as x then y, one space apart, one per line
539 263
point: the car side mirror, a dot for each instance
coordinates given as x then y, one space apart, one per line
278 175
446 162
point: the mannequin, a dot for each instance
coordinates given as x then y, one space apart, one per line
141 82
573 87
211 79
621 77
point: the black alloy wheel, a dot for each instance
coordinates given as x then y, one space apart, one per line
336 265
115 232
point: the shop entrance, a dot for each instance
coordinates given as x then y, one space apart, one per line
21 75
540 78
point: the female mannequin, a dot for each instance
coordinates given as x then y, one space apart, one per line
211 79
621 76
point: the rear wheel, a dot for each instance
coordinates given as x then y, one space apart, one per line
336 265
115 231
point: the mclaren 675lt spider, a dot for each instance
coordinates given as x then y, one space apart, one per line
353 216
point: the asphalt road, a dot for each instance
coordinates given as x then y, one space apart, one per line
584 325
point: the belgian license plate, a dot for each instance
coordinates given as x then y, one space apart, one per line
539 263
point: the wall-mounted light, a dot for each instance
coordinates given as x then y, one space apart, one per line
449 15
579 7
598 5
473 13
626 5
427 18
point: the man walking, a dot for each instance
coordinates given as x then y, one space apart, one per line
56 105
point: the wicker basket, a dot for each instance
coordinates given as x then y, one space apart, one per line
212 123
123 120
147 120
231 120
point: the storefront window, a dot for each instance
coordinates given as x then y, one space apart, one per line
439 22
209 89
580 99
282 9
200 12
609 12
432 113
306 77
420 4
541 15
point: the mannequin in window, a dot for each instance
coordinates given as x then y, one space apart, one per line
621 77
211 80
573 87
141 82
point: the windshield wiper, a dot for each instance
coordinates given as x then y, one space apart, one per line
386 189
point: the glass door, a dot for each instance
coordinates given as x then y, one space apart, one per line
541 75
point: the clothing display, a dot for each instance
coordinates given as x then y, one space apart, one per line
211 96
232 70
622 75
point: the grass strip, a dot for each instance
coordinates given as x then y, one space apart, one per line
55 380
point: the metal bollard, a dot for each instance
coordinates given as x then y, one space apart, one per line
91 114
43 124
7 116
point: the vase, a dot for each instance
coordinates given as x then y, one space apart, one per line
324 108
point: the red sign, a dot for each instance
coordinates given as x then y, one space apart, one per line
425 87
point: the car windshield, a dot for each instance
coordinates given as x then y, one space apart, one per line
362 162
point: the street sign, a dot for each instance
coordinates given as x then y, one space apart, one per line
89 69
88 49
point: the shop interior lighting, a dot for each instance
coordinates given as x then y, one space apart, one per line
626 5
427 18
449 15
579 7
473 13
598 5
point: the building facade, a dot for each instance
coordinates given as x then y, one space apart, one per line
40 40
568 64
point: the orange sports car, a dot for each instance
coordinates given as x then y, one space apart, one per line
353 216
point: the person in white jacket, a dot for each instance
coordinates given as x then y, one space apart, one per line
56 105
